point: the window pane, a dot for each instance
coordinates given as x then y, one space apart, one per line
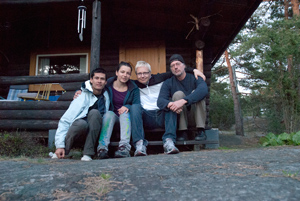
66 64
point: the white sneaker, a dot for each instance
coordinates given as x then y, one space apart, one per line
86 158
140 149
53 155
169 147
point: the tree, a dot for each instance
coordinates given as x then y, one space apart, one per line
267 51
271 72
237 107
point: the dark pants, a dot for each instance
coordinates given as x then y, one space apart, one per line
151 119
88 129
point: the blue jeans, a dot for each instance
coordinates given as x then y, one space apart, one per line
151 119
108 122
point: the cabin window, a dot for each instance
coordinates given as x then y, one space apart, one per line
51 64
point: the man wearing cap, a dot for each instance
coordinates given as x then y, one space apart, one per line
187 96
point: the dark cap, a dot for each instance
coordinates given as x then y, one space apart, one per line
176 57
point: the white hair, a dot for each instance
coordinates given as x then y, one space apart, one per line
142 64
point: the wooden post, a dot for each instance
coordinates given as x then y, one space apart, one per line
96 35
199 60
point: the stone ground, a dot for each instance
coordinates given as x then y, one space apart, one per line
233 174
240 170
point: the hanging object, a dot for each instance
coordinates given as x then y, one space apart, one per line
81 19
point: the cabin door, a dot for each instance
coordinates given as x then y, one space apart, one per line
152 52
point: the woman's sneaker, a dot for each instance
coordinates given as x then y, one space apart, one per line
140 149
122 152
169 147
102 154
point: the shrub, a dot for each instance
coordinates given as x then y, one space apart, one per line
221 111
18 144
283 139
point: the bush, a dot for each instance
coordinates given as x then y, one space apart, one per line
17 144
283 139
221 111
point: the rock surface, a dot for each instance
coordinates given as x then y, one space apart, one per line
234 174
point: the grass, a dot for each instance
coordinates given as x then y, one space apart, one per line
290 174
18 144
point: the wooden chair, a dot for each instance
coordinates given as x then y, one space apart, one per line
42 94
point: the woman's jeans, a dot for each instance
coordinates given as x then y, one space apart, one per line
108 122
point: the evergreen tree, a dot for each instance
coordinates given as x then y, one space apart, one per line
267 52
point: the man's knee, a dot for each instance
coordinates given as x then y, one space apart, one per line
94 114
178 95
77 128
136 107
79 124
136 111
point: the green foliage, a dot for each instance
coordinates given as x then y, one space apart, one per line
264 57
105 176
290 174
283 139
221 106
16 144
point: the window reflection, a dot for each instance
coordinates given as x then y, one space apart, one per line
61 64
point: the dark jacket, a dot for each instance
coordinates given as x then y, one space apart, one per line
195 90
132 96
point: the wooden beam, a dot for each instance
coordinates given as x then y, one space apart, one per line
38 79
28 124
188 142
34 105
199 60
34 1
243 19
96 35
32 114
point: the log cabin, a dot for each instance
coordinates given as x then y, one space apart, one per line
61 41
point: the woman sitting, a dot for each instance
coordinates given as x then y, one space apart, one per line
125 96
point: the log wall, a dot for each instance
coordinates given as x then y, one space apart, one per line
32 115
38 115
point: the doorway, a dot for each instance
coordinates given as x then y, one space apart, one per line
152 52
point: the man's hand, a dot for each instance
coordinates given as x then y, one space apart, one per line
199 73
122 110
177 106
60 152
77 93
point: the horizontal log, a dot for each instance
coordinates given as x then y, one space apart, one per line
72 86
34 105
32 114
38 79
6 124
34 1
68 96
187 142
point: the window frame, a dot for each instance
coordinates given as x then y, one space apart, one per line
63 54
57 51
